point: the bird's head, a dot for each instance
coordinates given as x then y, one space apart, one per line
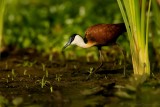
73 40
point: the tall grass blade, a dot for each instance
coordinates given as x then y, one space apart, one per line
2 8
134 15
147 35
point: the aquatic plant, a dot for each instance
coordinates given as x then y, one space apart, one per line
51 89
43 82
46 71
13 74
155 27
43 66
58 77
25 72
137 24
2 9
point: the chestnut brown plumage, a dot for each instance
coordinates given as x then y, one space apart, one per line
104 34
98 35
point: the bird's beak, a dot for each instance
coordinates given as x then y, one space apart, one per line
65 46
68 43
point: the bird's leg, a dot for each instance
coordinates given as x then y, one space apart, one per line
124 56
101 60
64 58
101 63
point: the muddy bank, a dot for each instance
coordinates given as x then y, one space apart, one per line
34 81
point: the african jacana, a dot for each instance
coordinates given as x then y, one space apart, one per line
98 35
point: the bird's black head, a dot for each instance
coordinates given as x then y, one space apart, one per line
69 41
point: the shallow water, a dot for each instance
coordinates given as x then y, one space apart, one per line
34 81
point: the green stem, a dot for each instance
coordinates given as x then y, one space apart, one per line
147 35
2 9
137 29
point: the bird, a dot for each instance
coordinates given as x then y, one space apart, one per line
98 35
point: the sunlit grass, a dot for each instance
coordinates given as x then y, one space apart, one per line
137 24
2 8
